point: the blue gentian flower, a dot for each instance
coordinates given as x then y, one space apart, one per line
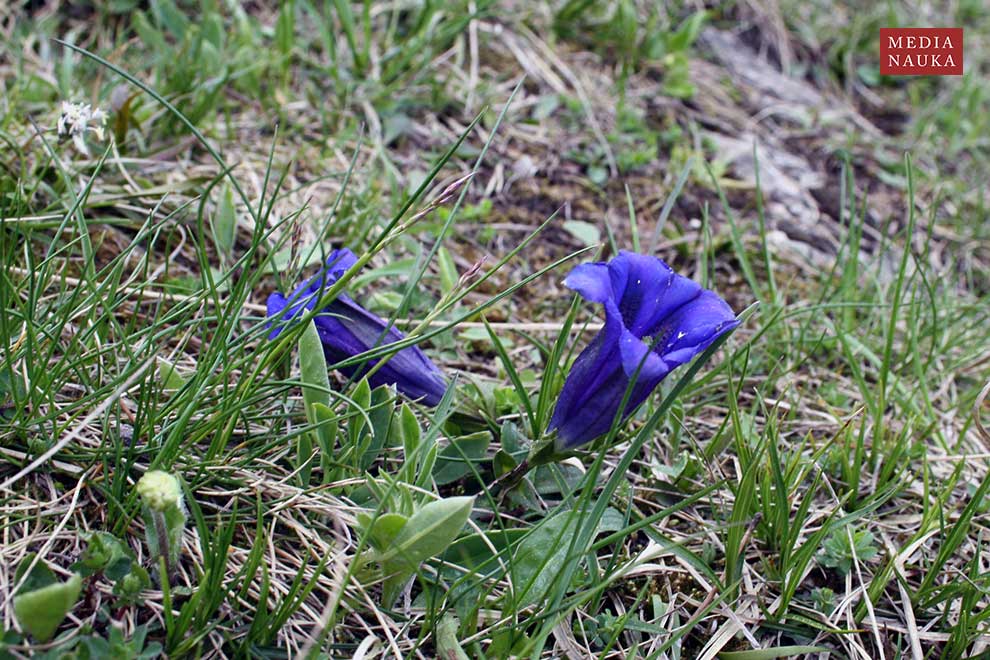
655 321
346 329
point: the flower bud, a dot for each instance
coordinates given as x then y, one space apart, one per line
159 490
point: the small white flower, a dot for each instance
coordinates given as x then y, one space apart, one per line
75 120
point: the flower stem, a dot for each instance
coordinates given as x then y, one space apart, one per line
161 530
511 478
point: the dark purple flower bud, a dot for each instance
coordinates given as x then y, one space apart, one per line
655 321
346 329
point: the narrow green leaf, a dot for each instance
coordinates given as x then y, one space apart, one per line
313 371
429 460
381 416
769 654
304 454
448 271
411 432
169 16
326 431
285 27
225 222
448 646
357 412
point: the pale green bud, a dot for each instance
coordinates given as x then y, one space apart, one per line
159 490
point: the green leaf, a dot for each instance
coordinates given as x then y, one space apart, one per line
316 392
384 529
170 377
285 27
585 232
211 29
122 6
454 460
326 431
41 576
151 37
304 454
411 433
428 460
225 221
169 16
356 411
542 554
41 611
313 371
503 463
96 647
392 586
448 646
513 441
555 478
395 268
687 32
104 553
427 533
382 407
129 587
448 271
539 557
478 552
769 654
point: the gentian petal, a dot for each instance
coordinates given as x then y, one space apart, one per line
651 290
591 281
339 262
582 424
637 356
589 371
346 329
275 304
693 327
655 321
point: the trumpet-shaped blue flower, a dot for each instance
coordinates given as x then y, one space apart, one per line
346 329
655 321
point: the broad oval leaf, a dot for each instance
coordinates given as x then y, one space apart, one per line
482 554
428 532
40 575
541 556
41 611
384 529
172 380
454 460
585 232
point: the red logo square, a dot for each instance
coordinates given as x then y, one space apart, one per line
921 51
